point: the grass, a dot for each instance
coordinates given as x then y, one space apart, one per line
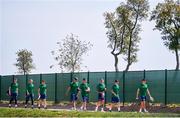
6 112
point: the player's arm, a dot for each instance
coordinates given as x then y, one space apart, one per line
149 93
69 88
38 91
10 90
88 89
137 94
113 93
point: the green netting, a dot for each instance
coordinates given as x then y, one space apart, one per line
156 82
132 81
5 84
94 79
36 81
173 87
111 77
63 81
50 82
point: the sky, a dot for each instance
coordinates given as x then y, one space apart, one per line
37 25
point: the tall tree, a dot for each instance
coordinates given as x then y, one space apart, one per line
167 18
116 34
69 53
123 29
138 11
24 61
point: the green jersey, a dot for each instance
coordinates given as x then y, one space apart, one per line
74 87
143 89
101 87
43 88
14 87
30 88
115 89
84 87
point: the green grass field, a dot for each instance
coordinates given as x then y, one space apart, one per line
6 112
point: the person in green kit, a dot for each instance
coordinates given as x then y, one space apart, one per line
42 92
85 89
30 93
74 90
13 92
142 90
115 96
101 88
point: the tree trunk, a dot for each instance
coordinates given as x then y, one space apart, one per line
177 59
127 67
116 63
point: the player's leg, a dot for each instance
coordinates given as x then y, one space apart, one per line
27 99
11 99
32 100
103 105
83 102
99 102
144 104
15 98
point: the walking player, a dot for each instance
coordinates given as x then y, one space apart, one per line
115 96
74 90
30 93
85 89
101 88
42 92
142 90
13 92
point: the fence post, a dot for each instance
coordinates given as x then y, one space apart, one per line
144 74
71 76
0 87
55 87
40 78
165 101
123 87
26 82
88 77
13 77
106 86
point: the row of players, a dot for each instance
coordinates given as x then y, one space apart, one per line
74 89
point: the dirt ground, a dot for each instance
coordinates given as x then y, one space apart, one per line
130 107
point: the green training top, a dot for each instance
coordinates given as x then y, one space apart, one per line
74 87
14 87
101 87
115 89
143 89
84 87
43 88
30 88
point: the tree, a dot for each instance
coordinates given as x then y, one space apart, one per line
124 28
24 61
138 11
69 53
167 18
116 33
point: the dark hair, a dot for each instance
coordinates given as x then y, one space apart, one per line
143 80
84 79
116 80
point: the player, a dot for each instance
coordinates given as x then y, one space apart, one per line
85 89
13 92
101 88
74 90
30 93
115 96
142 90
42 92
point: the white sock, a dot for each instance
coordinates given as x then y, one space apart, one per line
119 109
102 109
9 105
110 109
140 110
145 110
16 105
96 109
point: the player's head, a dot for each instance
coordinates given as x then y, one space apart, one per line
84 80
43 82
75 79
143 81
102 80
15 80
116 81
30 81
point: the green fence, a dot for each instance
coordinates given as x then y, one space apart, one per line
163 84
